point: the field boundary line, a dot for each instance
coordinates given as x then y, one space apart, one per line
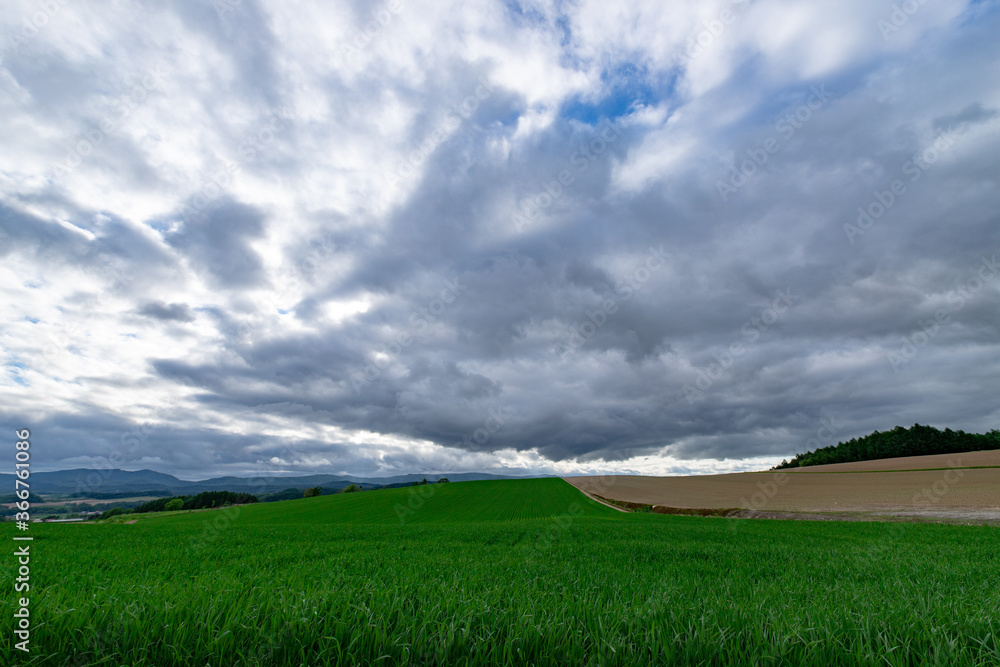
596 499
853 472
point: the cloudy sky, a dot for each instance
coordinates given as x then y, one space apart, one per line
242 236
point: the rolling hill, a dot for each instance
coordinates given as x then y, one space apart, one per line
899 442
87 480
978 459
458 502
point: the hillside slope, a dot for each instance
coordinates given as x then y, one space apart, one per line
89 480
457 502
949 493
983 459
899 442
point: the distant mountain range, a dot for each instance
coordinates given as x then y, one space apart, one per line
89 481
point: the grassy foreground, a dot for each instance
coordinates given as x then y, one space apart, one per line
567 583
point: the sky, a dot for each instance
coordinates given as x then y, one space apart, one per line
551 237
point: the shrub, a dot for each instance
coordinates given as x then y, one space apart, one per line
114 511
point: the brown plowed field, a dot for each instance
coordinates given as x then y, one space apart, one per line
965 460
953 494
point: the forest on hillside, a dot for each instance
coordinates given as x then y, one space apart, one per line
914 441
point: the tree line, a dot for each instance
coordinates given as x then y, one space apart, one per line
210 499
204 500
914 441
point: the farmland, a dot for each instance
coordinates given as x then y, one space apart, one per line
505 573
984 459
509 500
945 493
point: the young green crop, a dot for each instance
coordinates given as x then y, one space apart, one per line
508 500
558 587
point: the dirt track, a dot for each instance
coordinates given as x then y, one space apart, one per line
953 494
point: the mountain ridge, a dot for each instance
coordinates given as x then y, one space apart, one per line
91 480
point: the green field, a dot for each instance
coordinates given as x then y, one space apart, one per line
465 502
526 572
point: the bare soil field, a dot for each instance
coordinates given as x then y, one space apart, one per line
970 494
964 460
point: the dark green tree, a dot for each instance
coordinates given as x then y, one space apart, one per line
917 440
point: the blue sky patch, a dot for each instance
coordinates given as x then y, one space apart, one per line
622 89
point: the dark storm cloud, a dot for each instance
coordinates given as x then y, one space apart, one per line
564 400
103 246
218 243
176 312
972 114
637 307
23 232
676 328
